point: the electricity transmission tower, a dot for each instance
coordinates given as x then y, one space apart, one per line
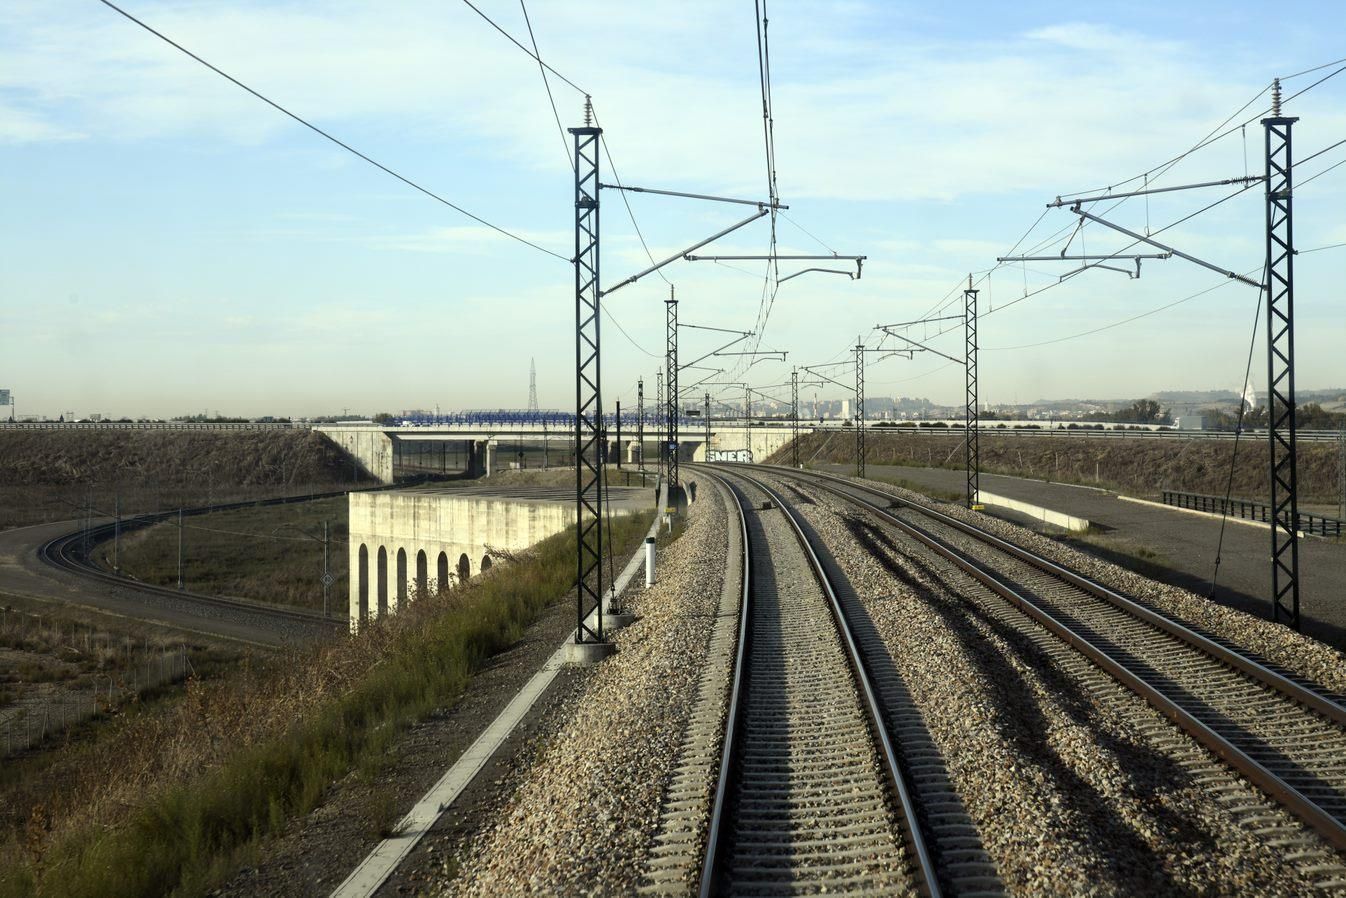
671 394
1280 290
532 385
588 394
794 417
971 453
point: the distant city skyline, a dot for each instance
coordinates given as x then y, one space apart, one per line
874 403
173 243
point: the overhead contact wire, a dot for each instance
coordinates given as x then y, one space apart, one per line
315 129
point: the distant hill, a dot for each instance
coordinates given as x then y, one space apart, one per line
155 458
1194 396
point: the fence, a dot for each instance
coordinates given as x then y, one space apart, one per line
30 721
1250 510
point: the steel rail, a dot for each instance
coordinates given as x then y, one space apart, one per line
716 835
1331 828
1273 679
58 553
927 881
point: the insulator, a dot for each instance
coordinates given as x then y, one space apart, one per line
1276 97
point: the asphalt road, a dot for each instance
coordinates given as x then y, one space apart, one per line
24 574
1184 545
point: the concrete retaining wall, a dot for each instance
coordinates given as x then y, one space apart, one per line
455 533
369 446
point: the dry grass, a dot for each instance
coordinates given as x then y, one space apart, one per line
51 475
168 799
271 553
1135 466
47 648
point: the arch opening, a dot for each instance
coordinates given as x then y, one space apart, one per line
464 568
382 575
401 577
362 590
443 570
485 563
422 574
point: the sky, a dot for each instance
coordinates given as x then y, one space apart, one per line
172 245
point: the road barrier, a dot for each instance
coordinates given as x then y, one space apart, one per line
1250 510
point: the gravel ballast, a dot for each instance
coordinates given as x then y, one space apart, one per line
1283 648
583 814
1076 785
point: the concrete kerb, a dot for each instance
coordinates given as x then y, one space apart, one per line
1046 515
379 864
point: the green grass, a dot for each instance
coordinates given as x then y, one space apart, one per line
185 835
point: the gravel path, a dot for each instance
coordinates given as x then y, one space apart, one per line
582 818
1076 785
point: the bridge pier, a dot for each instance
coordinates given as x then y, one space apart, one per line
481 457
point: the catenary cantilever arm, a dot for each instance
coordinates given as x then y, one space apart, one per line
761 211
921 346
1166 248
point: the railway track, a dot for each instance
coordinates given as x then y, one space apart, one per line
810 795
71 552
1284 735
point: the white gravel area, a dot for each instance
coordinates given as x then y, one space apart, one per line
1278 644
1076 785
583 816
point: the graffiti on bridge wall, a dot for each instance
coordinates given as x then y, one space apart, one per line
743 456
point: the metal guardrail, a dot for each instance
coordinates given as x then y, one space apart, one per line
562 420
1250 510
151 425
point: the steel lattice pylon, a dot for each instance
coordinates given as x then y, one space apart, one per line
1280 297
794 417
671 393
971 456
859 410
705 413
588 393
640 421
659 412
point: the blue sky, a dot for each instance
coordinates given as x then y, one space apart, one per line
172 244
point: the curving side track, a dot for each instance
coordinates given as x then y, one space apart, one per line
67 552
1283 735
810 795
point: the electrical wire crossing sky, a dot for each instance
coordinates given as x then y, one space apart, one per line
287 209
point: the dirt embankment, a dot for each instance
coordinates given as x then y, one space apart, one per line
52 475
1135 466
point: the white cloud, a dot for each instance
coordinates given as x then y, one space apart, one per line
19 126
